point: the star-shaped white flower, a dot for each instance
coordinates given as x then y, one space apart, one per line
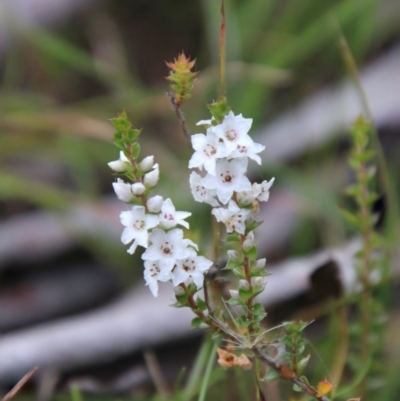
120 165
262 190
200 192
137 223
229 177
153 274
233 217
249 150
191 267
169 218
166 247
233 131
207 150
123 190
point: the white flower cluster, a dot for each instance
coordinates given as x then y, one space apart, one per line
152 224
223 153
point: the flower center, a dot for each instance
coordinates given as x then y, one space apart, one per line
154 270
189 265
169 217
167 249
227 177
209 150
242 149
231 134
139 225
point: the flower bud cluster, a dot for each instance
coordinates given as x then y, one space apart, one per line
153 223
222 155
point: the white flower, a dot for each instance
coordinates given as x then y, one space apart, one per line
147 163
204 122
193 266
170 218
249 150
166 248
229 177
200 192
138 188
153 274
154 204
207 150
233 131
137 223
150 179
233 217
262 190
121 164
245 198
123 190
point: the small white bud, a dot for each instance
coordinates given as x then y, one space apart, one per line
123 190
257 282
260 264
244 285
151 179
121 164
250 236
147 163
233 255
179 290
247 245
154 204
245 198
234 294
138 188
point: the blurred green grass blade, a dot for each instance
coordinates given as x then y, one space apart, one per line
317 34
75 152
258 13
207 374
36 193
197 370
300 46
71 56
76 394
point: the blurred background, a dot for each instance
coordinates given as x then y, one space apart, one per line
72 301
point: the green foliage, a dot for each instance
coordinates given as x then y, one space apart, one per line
295 346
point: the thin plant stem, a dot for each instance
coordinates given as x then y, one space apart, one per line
207 373
156 374
222 50
19 385
288 374
341 350
181 118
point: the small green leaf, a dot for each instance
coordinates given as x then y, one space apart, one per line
251 253
233 264
121 123
258 309
233 237
201 304
196 323
270 376
219 109
135 150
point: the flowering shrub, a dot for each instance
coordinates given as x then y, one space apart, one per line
222 155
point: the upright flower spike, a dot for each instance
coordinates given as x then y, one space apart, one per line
181 78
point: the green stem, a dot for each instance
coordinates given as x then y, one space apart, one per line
222 50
